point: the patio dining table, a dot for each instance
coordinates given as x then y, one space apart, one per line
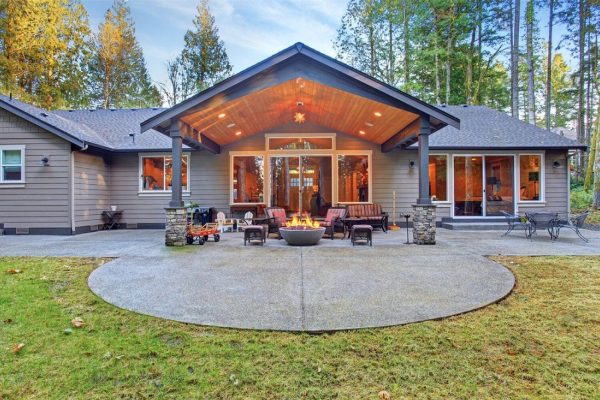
543 220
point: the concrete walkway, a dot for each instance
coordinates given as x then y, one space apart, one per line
327 287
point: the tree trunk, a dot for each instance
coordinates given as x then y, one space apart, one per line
593 154
597 162
530 83
580 86
469 73
448 62
549 65
514 60
438 99
405 17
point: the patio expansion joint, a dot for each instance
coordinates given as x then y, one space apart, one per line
302 305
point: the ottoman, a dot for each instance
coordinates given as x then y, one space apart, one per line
255 233
361 233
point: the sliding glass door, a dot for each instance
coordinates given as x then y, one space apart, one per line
483 185
302 183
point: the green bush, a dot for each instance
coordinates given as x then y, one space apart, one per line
581 199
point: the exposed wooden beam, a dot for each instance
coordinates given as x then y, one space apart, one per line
404 137
197 140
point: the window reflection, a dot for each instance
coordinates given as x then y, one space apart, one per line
157 173
530 177
353 178
248 179
438 184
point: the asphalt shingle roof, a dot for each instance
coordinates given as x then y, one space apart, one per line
116 126
483 127
480 128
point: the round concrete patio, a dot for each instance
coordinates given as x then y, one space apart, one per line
332 286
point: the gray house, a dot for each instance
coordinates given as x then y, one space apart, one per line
298 130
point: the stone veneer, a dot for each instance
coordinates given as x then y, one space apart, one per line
175 226
424 223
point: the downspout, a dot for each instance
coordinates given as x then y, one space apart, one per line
72 211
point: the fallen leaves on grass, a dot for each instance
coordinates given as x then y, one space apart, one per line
8 321
384 395
77 322
18 348
13 271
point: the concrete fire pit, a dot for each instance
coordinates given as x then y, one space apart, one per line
302 236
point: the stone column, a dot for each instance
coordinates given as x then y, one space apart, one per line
175 226
424 211
424 223
176 219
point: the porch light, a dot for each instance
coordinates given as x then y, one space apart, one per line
361 132
222 115
369 124
238 133
556 164
377 114
231 125
45 161
411 164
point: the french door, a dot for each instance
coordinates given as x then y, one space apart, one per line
302 183
483 185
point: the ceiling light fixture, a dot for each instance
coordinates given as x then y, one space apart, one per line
299 118
369 123
231 125
238 133
222 115
377 114
361 132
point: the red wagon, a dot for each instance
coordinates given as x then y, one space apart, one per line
202 233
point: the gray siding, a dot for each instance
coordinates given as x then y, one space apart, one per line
44 201
92 193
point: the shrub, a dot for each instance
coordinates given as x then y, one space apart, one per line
581 199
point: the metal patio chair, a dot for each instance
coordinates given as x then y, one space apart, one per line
574 223
514 221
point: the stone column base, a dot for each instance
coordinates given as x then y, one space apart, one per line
424 223
175 226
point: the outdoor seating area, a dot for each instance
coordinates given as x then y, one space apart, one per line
532 223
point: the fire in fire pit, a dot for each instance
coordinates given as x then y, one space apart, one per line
302 231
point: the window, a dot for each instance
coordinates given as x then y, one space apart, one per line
12 164
530 175
248 179
157 173
353 178
438 178
300 143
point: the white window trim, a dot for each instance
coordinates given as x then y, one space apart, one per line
160 193
233 154
369 154
542 182
516 185
13 184
448 201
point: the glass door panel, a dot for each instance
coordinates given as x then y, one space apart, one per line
316 195
468 186
285 183
499 185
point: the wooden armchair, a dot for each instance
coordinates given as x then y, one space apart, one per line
333 219
277 218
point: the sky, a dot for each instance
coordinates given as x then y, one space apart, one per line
251 29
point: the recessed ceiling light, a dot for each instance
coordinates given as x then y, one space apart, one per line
238 133
377 114
368 123
361 132
222 115
231 125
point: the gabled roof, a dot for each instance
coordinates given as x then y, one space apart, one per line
117 126
261 69
67 129
484 128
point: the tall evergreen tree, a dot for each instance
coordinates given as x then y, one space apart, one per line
44 50
118 69
204 56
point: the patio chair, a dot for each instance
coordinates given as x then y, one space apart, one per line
333 219
514 221
573 223
277 218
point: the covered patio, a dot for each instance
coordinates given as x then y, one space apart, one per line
301 91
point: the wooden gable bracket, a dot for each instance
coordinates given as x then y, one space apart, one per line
197 140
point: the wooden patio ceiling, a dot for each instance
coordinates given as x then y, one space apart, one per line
323 105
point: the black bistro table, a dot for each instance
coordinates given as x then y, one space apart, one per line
543 220
112 218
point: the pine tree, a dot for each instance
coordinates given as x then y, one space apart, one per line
118 70
204 56
44 50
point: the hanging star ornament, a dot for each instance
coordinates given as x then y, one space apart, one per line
299 118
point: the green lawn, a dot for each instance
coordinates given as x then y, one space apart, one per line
543 341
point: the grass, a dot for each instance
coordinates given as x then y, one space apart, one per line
543 341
